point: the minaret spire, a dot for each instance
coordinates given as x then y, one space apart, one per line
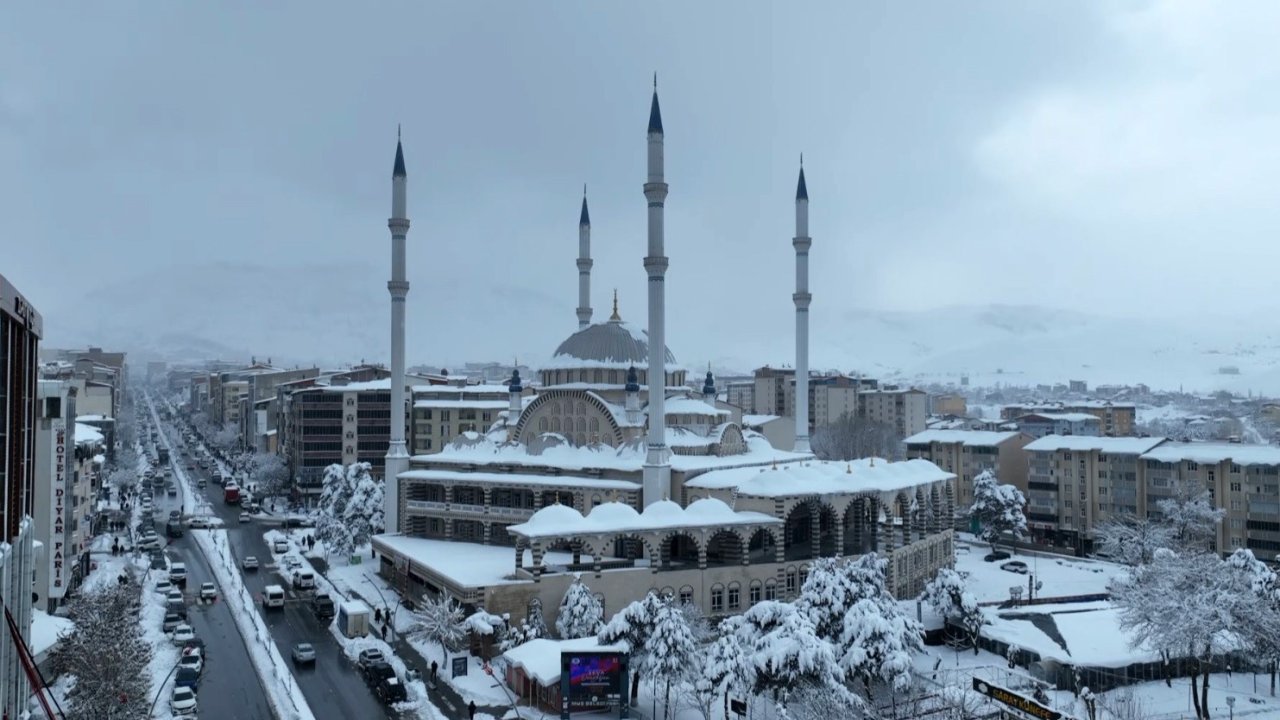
801 298
657 466
584 263
397 460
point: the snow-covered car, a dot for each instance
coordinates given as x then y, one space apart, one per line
245 517
183 702
292 562
163 586
369 656
249 563
202 483
200 521
1015 566
182 634
174 595
304 653
208 591
193 660
171 622
280 546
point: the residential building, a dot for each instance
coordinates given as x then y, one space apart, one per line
968 453
21 327
443 412
904 410
949 404
742 393
770 392
1118 419
1037 425
834 395
342 423
779 431
1077 481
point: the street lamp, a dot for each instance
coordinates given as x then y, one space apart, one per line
1231 706
162 684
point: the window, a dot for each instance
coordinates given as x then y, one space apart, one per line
444 414
734 596
1235 487
753 592
717 598
444 430
791 582
771 590
686 595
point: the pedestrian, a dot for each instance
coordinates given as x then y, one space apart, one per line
382 631
377 615
434 667
471 710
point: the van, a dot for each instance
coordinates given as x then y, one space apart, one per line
273 596
304 580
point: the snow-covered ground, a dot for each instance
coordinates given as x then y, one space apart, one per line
281 687
1061 576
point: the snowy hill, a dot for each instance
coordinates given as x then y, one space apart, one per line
334 314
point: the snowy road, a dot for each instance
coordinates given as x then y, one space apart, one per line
333 687
229 687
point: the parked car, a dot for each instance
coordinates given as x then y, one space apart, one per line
171 622
173 491
391 690
194 643
995 556
304 653
304 580
1016 566
202 483
163 586
208 591
183 701
186 678
249 563
322 605
369 656
280 546
375 673
182 634
177 608
193 660
175 514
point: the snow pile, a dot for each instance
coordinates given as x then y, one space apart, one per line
281 687
45 629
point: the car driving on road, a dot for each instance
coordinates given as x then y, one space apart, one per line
304 653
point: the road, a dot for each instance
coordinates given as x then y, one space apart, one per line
333 687
229 686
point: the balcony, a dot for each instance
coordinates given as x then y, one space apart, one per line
495 511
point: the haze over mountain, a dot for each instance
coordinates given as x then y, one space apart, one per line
337 314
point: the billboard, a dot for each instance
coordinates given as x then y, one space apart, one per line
58 570
594 678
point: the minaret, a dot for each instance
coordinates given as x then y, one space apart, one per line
515 404
801 298
657 465
397 460
709 388
584 264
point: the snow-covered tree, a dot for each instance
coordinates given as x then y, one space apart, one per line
725 668
878 643
226 438
631 627
580 613
834 585
1190 517
948 597
785 651
670 651
851 437
998 508
330 513
363 510
1190 605
107 656
440 620
1264 631
1130 539
699 625
271 473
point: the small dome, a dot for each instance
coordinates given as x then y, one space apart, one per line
613 515
613 343
664 511
555 515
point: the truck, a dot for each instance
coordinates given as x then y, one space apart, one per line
231 494
322 605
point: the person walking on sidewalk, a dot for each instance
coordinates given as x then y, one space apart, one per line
471 710
434 667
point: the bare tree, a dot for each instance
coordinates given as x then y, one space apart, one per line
851 437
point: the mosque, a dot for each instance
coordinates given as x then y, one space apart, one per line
616 470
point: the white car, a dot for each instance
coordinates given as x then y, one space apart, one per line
183 702
192 659
245 517
208 591
249 563
173 595
163 586
182 634
280 546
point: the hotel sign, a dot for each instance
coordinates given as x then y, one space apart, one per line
1026 706
57 516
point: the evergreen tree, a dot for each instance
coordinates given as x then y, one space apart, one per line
535 625
107 656
363 511
669 651
949 597
580 613
726 668
330 513
631 627
998 508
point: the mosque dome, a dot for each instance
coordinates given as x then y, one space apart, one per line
608 344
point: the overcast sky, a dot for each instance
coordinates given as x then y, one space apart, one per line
1116 158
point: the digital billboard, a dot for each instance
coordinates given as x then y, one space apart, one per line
595 679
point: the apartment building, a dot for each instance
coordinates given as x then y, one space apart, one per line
256 414
1244 480
741 393
832 396
341 423
1038 425
967 453
949 404
1118 419
443 412
904 410
1076 481
21 327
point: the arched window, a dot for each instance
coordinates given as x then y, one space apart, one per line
735 595
543 424
582 439
555 424
599 376
717 598
753 592
582 408
771 589
595 500
686 595
668 592
595 424
582 424
804 574
792 587
555 407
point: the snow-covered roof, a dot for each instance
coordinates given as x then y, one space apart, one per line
1117 445
1063 416
690 406
612 344
370 385
462 404
540 659
94 418
45 629
758 420
609 517
486 478
88 434
867 475
569 457
968 438
1211 453
466 564
460 390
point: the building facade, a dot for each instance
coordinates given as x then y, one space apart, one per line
1037 425
443 412
968 453
335 424
1118 419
